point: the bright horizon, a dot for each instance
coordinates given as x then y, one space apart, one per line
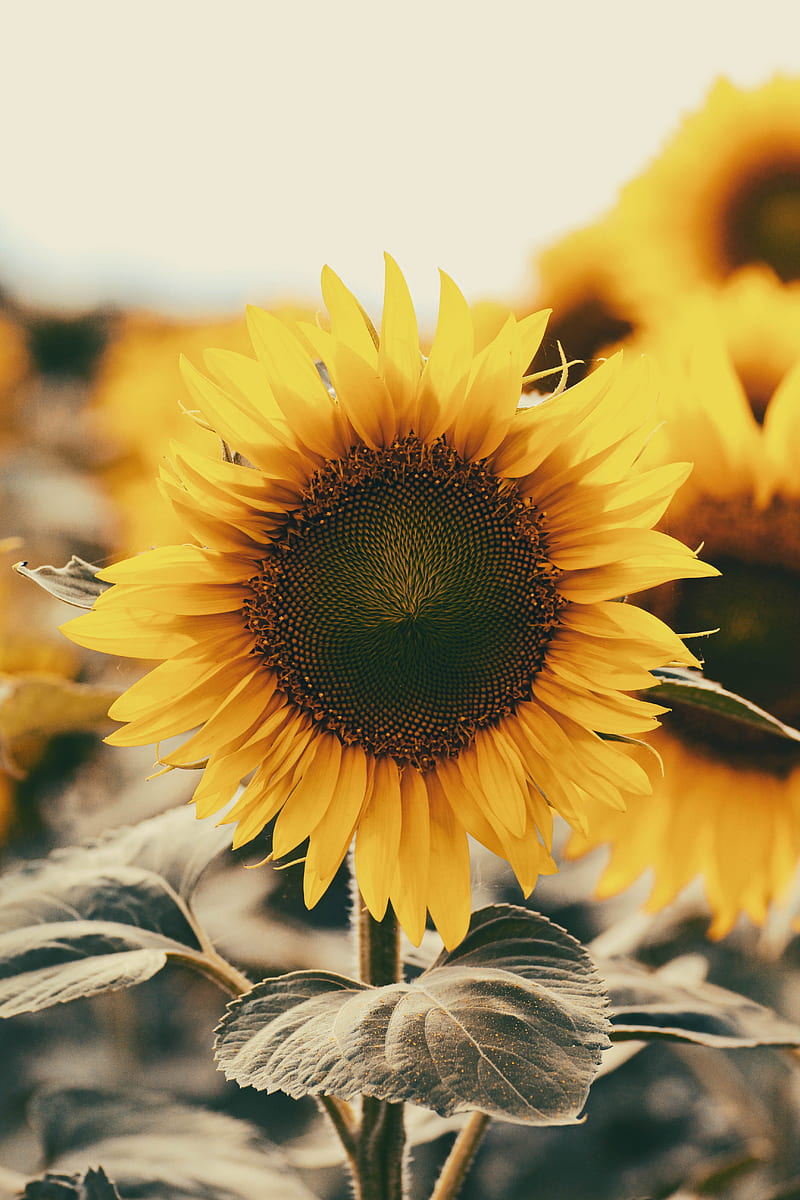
199 156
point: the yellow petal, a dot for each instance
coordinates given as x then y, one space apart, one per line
378 838
399 360
409 888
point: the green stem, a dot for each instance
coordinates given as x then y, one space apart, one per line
218 969
460 1158
381 1141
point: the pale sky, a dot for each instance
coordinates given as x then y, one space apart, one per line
195 155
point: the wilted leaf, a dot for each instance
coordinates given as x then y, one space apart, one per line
103 916
691 688
76 583
94 1185
650 1005
512 1022
154 1147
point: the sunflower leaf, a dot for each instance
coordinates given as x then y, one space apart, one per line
512 1022
103 916
683 686
672 1004
153 1147
76 583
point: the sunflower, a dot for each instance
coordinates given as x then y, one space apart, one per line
393 620
723 194
579 277
14 367
728 806
39 699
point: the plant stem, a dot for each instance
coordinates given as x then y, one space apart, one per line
460 1158
341 1117
381 1141
218 969
378 949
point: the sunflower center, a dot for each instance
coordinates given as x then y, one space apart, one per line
409 601
763 221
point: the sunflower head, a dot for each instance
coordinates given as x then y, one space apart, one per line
723 194
581 279
727 807
393 617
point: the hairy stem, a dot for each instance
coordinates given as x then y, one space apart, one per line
460 1158
381 1140
217 969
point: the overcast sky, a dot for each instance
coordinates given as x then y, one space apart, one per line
198 154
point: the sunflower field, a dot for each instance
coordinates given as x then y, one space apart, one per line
400 721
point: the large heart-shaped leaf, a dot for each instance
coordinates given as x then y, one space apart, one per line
512 1022
153 1147
671 1004
102 916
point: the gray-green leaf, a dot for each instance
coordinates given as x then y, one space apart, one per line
658 1005
76 583
154 1147
103 916
693 689
512 1022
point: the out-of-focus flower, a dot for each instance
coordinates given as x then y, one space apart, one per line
580 279
728 807
398 619
14 366
135 404
723 194
38 696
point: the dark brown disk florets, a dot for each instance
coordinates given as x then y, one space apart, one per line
409 601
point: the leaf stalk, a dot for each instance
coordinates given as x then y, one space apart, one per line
460 1158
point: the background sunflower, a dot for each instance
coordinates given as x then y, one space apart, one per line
728 806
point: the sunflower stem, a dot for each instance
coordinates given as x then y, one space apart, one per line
460 1158
380 1171
218 969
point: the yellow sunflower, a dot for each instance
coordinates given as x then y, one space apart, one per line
728 807
134 414
394 617
38 698
579 277
723 194
14 367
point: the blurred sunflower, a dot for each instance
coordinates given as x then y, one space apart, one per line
14 367
728 807
394 615
39 699
134 411
723 194
579 277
